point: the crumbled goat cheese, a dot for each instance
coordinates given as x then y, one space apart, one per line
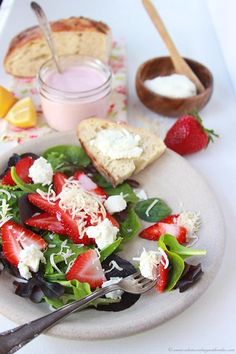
141 194
29 259
149 261
118 144
41 171
115 204
104 233
116 294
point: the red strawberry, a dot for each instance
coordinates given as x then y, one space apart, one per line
163 278
15 238
188 135
41 203
171 219
87 183
22 170
62 216
87 269
46 222
59 180
155 231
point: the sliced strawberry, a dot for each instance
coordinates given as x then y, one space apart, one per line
87 183
171 219
71 228
163 278
70 224
15 238
22 170
155 231
7 179
87 269
113 220
41 203
59 180
46 222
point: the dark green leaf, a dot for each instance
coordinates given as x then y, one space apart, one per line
126 191
67 158
100 181
159 210
106 252
130 226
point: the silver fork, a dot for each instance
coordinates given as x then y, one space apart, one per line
14 339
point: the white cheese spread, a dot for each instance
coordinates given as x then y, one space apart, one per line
115 204
116 294
104 233
118 143
41 171
172 86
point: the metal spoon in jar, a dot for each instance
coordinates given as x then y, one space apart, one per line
46 29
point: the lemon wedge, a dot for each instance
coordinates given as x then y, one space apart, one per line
7 100
23 114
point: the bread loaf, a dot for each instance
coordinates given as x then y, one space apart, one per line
75 35
117 170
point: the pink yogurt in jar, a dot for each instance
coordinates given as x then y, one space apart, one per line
82 90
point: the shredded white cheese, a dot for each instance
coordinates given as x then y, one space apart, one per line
151 206
81 204
113 265
191 221
4 212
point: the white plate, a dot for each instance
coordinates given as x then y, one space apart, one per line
172 179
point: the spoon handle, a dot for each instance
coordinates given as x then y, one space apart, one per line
180 65
46 29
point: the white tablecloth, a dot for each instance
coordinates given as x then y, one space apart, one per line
208 325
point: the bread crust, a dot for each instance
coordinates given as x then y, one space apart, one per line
72 24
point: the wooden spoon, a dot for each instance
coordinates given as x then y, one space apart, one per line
180 65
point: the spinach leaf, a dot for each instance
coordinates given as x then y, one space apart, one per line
100 180
106 252
66 158
176 266
159 209
173 245
126 191
130 226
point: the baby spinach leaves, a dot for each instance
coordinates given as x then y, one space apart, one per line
125 190
152 209
67 158
130 226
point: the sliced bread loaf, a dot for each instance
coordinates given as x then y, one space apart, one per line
72 36
117 169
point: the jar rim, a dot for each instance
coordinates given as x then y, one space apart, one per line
94 62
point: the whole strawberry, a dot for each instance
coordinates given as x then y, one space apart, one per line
188 135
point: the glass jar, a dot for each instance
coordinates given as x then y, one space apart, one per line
82 90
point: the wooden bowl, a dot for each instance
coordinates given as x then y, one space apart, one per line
171 107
